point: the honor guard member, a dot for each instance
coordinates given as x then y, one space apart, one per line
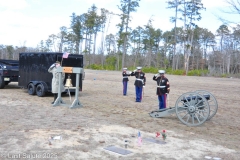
55 79
163 87
139 82
125 80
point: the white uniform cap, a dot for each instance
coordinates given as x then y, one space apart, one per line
161 71
124 68
139 68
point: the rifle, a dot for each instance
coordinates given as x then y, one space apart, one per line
168 97
142 92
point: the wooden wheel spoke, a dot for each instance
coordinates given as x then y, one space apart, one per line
184 115
200 115
197 119
198 103
187 101
188 118
202 106
193 120
212 102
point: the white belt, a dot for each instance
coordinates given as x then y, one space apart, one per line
139 79
161 86
125 77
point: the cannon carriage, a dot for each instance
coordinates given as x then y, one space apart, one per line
191 108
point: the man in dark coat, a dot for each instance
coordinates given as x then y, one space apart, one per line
163 88
140 82
125 75
55 79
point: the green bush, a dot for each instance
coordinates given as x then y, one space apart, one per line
224 75
193 73
205 72
178 72
175 72
150 70
95 67
167 71
131 68
109 67
100 67
197 73
154 70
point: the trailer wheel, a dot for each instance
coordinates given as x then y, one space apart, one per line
40 90
6 83
31 89
2 83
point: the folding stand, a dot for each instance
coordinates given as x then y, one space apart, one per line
76 103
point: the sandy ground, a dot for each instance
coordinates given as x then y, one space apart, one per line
108 118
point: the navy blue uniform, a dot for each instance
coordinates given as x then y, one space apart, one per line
139 83
125 82
162 88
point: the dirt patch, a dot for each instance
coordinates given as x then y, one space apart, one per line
109 118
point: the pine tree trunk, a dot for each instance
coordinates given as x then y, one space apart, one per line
175 36
94 47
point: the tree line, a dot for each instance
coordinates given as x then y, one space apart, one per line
188 47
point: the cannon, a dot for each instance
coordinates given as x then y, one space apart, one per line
191 108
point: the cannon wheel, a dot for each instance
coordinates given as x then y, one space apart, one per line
212 103
192 111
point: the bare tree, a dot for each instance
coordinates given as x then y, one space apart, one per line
234 9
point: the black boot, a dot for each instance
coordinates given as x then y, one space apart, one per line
55 97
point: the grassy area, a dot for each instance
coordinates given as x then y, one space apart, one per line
168 71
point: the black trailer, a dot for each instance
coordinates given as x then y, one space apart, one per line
8 72
34 75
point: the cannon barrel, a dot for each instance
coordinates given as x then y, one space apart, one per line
207 97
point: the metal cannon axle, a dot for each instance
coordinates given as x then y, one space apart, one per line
192 108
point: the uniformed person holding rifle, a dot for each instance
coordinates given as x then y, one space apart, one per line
125 80
140 82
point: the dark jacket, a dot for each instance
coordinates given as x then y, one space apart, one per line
125 76
162 85
140 78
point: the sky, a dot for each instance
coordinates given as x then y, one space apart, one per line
27 22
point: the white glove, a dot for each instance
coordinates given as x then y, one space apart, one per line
135 70
156 75
53 65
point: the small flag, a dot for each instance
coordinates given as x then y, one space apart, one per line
139 139
139 134
65 55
